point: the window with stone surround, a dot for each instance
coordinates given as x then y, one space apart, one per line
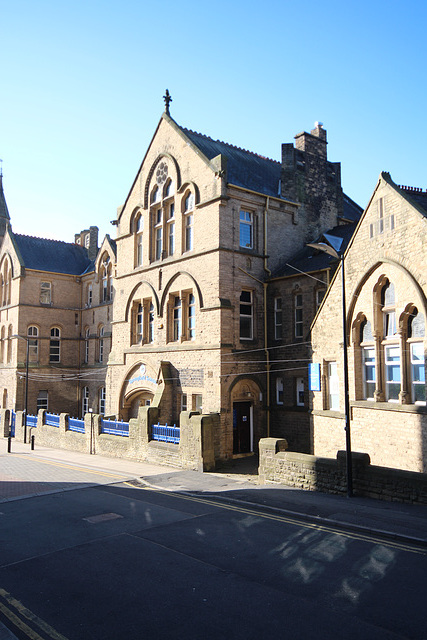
181 313
162 214
298 315
390 351
246 232
333 398
55 345
33 344
279 390
85 400
45 293
246 315
278 318
142 322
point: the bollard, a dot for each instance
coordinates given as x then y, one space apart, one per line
9 444
32 443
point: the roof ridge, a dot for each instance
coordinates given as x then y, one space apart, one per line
25 235
233 146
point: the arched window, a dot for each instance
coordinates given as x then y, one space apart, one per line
162 215
85 400
105 272
188 221
139 240
55 345
33 344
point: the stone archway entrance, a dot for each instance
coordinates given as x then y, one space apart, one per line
135 401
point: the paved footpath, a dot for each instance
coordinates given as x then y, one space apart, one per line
25 473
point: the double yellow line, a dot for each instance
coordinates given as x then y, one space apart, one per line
25 620
353 535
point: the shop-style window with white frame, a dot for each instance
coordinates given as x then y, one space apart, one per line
333 387
246 315
278 318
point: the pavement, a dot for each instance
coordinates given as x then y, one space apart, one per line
47 470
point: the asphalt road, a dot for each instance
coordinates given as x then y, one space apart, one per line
123 561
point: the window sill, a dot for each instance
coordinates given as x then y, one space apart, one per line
389 406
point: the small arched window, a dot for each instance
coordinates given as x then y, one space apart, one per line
55 345
33 344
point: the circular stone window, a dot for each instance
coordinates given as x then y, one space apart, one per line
161 173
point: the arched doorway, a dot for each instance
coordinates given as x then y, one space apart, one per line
135 401
246 402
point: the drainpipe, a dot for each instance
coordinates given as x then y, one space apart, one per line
265 285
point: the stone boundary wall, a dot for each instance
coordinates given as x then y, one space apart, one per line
328 475
195 450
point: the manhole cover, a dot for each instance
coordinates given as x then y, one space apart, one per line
103 517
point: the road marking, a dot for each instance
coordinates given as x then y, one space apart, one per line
63 465
293 520
21 610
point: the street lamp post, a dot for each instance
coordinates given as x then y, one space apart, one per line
330 250
27 340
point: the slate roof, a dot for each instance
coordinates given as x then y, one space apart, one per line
417 195
308 259
351 210
244 168
53 256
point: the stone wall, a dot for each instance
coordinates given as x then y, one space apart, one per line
195 450
328 475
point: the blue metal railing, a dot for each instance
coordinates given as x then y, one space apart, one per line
75 424
115 428
31 421
52 419
163 433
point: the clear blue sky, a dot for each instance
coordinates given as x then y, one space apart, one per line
82 81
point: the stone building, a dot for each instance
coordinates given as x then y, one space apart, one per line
55 317
201 234
386 292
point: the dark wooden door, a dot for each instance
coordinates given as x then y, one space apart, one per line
241 427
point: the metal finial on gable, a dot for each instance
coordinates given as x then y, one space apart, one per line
168 99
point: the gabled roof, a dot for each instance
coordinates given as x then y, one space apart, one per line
309 260
53 256
244 168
